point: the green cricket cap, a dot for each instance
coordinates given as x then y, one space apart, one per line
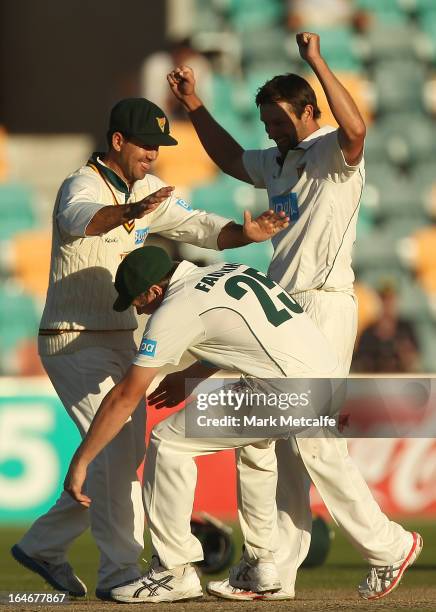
141 269
142 120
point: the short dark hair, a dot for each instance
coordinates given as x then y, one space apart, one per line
289 88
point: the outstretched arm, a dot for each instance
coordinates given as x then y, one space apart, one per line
262 228
352 128
118 405
221 147
109 217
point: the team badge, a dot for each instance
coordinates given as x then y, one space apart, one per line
148 347
161 121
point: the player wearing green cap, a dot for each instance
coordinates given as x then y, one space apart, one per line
103 211
232 317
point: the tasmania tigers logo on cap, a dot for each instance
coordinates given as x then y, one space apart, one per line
140 119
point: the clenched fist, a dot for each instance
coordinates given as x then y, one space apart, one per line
309 46
182 82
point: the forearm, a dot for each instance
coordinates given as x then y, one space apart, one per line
221 147
110 217
340 101
107 423
232 236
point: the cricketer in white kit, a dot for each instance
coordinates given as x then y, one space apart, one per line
103 211
316 175
232 317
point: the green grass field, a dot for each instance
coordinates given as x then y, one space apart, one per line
321 588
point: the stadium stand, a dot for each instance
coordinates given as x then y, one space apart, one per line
384 51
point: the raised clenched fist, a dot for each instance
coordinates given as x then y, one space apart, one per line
308 45
182 82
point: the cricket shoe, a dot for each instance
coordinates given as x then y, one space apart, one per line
105 594
60 576
382 580
258 576
160 584
224 590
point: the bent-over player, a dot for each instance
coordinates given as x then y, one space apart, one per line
236 318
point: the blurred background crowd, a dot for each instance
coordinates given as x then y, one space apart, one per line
63 65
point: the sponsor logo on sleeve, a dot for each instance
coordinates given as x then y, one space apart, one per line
141 235
184 204
148 347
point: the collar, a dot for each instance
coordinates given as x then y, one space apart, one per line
312 138
111 176
183 269
307 142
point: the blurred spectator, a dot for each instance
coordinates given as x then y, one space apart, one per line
319 14
390 344
154 85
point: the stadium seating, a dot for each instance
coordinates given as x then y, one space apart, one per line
30 260
385 12
255 16
19 318
399 85
369 306
187 164
226 196
256 255
16 210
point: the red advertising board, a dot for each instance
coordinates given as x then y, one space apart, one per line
400 472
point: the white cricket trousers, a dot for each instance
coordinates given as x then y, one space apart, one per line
116 516
325 462
170 477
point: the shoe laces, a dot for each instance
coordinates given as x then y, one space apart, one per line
379 576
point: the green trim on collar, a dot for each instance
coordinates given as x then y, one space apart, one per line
109 174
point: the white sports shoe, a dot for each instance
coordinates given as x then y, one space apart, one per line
382 580
160 584
224 590
60 576
258 576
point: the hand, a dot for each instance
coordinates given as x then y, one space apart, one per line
73 483
169 392
309 46
182 82
149 203
265 226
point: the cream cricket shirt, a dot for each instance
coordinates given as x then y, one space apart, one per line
321 194
81 293
235 318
